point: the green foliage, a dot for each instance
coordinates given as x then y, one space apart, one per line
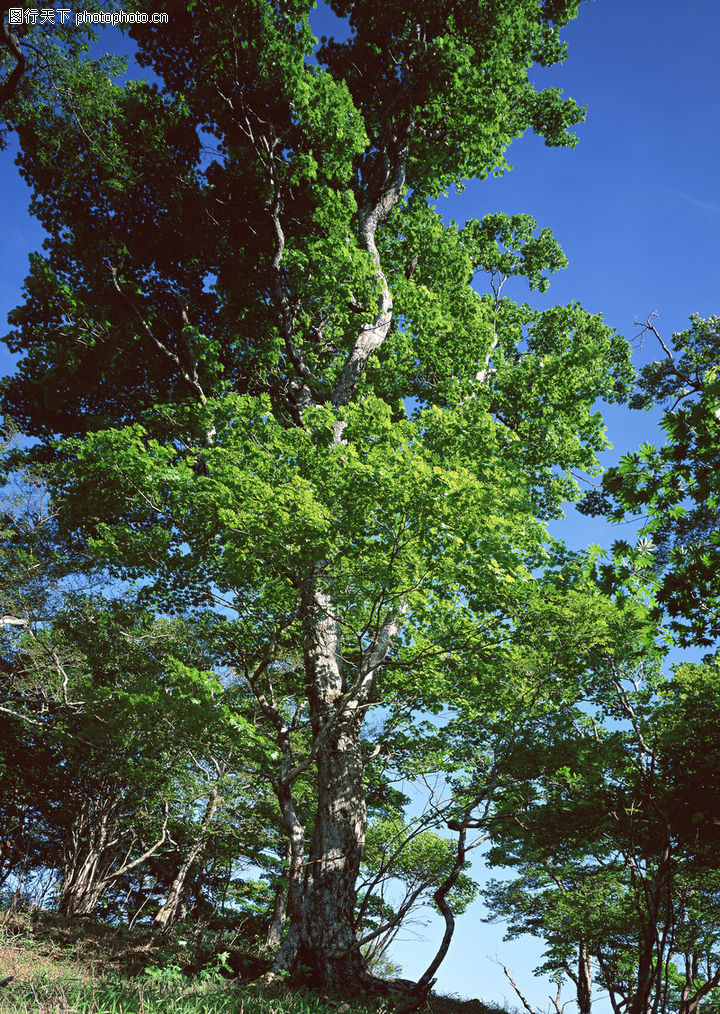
281 395
675 487
614 840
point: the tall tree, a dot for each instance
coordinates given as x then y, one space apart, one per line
281 396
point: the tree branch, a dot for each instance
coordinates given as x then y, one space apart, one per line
11 43
190 379
372 335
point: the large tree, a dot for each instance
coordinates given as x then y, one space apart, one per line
287 391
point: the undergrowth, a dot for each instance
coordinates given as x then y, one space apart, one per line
63 966
107 997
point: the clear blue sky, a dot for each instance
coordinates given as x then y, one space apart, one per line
636 206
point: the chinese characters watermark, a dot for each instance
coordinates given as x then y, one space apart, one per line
66 16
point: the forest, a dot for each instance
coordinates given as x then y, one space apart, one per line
289 637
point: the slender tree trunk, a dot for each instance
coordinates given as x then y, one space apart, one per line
91 859
289 888
169 911
91 836
651 951
82 888
289 893
584 979
690 1000
426 981
273 937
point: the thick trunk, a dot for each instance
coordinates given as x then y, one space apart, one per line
327 941
321 939
321 936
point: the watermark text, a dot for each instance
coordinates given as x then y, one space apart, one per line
65 16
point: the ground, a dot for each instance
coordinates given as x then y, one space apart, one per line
85 966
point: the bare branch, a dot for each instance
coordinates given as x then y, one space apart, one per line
14 621
523 1001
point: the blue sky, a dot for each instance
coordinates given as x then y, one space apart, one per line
636 207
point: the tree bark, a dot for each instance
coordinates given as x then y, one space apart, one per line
584 979
321 945
327 932
169 911
289 890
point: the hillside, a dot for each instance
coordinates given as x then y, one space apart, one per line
84 966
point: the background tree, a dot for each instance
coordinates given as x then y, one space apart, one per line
674 489
616 845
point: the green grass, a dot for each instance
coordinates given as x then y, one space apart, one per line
65 996
63 966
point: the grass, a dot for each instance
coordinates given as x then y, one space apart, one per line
104 997
62 966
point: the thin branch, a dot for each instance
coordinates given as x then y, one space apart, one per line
191 381
523 1001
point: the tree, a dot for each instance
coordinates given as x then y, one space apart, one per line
402 866
112 710
282 398
675 488
11 45
616 845
33 51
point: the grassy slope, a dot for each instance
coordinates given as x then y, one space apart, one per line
61 966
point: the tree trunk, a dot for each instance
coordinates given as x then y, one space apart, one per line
327 941
289 889
289 892
273 937
91 837
168 912
92 860
651 948
82 887
321 943
584 979
426 981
